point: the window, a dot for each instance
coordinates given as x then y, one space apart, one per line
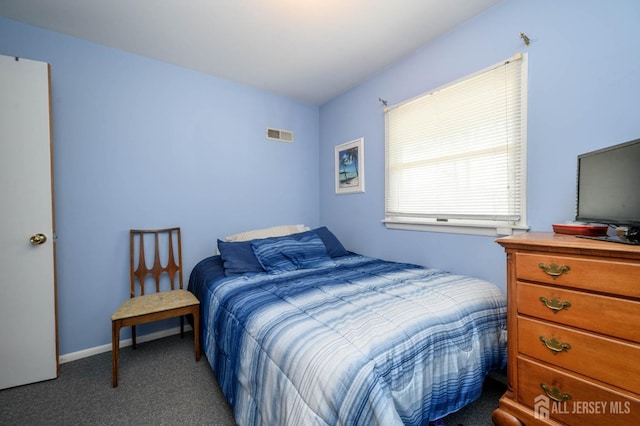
456 156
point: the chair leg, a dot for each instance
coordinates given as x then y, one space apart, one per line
133 336
181 326
115 349
196 332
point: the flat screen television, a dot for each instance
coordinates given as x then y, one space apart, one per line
609 189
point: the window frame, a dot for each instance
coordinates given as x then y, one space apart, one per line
462 225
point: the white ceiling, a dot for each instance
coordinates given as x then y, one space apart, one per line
309 50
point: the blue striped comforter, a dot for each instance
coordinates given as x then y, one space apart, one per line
364 342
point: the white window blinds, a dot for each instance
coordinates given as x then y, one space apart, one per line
456 155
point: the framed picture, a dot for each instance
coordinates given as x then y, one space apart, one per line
349 167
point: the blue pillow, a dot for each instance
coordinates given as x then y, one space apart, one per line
331 242
308 252
238 258
270 254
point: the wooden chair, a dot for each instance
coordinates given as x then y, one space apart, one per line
161 304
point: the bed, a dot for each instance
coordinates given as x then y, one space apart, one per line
300 331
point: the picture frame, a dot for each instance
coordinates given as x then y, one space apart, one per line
349 167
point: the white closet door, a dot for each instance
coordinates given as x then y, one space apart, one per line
28 334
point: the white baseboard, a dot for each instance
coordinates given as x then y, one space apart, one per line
73 356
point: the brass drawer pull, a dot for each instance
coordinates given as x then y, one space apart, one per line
554 269
554 304
555 394
554 345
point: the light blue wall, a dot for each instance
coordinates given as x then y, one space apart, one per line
140 143
584 91
211 155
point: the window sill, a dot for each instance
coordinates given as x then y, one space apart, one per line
486 229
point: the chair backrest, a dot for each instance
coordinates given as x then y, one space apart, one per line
166 244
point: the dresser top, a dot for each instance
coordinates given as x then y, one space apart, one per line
549 241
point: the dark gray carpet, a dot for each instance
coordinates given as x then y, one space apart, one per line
159 384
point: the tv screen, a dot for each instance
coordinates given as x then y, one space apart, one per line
608 185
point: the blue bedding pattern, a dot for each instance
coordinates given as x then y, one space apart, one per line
363 342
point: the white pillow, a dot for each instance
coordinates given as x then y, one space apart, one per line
275 231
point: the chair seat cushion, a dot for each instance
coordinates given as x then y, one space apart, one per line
155 302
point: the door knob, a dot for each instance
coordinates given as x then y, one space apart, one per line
38 239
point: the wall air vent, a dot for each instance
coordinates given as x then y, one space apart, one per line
279 135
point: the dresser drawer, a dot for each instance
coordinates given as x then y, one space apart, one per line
608 276
608 360
589 403
603 314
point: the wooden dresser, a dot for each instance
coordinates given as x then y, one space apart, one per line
574 332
